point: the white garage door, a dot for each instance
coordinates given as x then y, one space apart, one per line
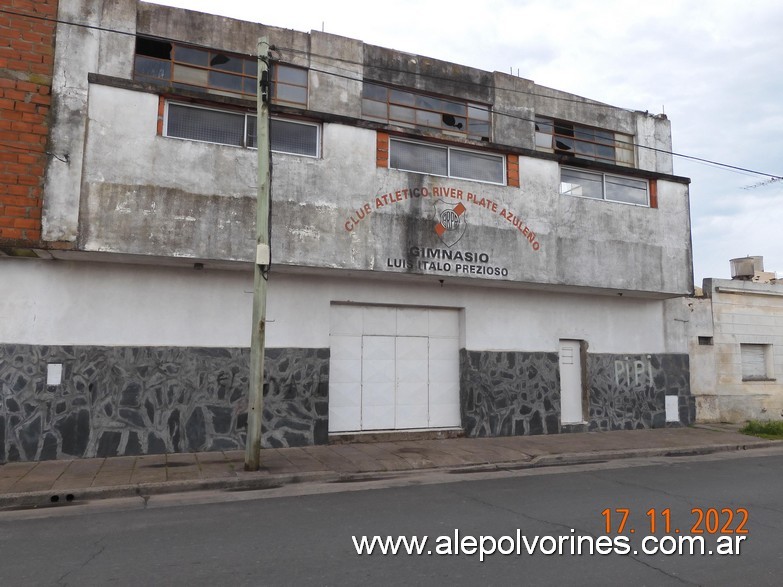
393 368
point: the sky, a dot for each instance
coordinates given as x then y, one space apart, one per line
714 68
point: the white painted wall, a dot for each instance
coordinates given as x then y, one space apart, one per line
494 319
64 302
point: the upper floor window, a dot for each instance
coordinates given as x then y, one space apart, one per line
414 110
216 72
289 85
227 127
171 64
604 186
584 142
446 161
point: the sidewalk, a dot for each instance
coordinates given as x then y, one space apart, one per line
38 484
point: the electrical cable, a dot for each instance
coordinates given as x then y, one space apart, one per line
586 101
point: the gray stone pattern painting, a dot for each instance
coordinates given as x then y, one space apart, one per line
509 393
629 391
514 393
146 400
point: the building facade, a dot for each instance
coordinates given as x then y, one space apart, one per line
736 338
453 250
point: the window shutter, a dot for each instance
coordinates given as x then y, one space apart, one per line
753 361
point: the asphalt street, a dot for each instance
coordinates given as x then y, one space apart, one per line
287 539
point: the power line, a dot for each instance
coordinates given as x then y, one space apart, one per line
586 101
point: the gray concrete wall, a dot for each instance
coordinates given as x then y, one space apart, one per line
733 313
127 190
138 198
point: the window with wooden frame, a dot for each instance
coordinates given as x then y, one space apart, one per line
415 110
217 72
585 142
166 63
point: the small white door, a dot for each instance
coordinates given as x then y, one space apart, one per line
570 383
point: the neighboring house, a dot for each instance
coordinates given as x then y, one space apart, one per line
736 346
453 250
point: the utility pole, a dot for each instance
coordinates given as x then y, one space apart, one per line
255 403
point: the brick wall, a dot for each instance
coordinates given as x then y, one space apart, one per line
26 59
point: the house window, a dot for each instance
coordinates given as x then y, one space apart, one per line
190 68
287 136
756 362
414 110
604 186
289 85
224 127
446 161
206 124
585 142
171 64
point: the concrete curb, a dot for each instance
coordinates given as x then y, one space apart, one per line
254 482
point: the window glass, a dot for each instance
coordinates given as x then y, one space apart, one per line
226 81
406 107
251 67
226 62
478 112
149 67
373 109
404 98
446 161
374 92
251 131
543 140
454 108
191 75
626 189
581 183
200 124
290 75
425 118
293 137
249 86
615 188
292 94
419 158
478 166
427 102
586 142
402 114
191 55
167 63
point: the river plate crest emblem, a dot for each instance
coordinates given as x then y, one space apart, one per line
450 222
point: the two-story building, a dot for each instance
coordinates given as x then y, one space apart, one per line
454 251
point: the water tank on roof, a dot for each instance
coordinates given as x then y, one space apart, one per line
746 267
